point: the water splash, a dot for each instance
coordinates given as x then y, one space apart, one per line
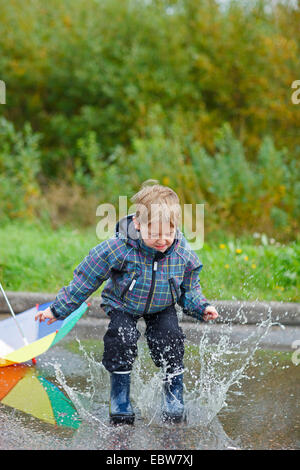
84 400
212 368
147 389
223 364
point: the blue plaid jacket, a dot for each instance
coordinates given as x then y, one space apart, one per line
139 279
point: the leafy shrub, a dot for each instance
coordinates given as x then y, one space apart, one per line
19 167
239 196
99 66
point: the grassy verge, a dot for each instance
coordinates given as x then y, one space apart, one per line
37 259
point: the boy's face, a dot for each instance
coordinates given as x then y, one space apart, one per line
157 235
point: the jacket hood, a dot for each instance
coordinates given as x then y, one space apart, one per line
126 230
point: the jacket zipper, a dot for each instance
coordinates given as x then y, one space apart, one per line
175 287
130 285
154 269
172 283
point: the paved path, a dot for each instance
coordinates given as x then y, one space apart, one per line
239 311
242 315
277 338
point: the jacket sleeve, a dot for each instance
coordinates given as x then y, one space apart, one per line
87 277
192 300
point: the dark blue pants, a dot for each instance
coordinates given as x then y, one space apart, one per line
164 337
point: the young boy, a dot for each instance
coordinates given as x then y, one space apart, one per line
149 267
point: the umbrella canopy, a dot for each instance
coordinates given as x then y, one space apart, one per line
40 336
22 388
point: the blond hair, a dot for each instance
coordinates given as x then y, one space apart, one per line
155 202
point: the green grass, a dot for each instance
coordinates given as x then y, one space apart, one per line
36 258
250 270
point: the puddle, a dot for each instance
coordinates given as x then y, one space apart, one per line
237 396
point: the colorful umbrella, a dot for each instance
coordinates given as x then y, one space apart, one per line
39 337
22 388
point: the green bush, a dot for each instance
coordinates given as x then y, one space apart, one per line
19 166
239 196
100 66
117 92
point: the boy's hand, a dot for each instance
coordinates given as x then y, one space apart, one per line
210 313
44 314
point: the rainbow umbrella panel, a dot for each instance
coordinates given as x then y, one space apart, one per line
24 389
39 335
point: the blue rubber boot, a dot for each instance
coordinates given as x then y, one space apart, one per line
120 409
173 406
